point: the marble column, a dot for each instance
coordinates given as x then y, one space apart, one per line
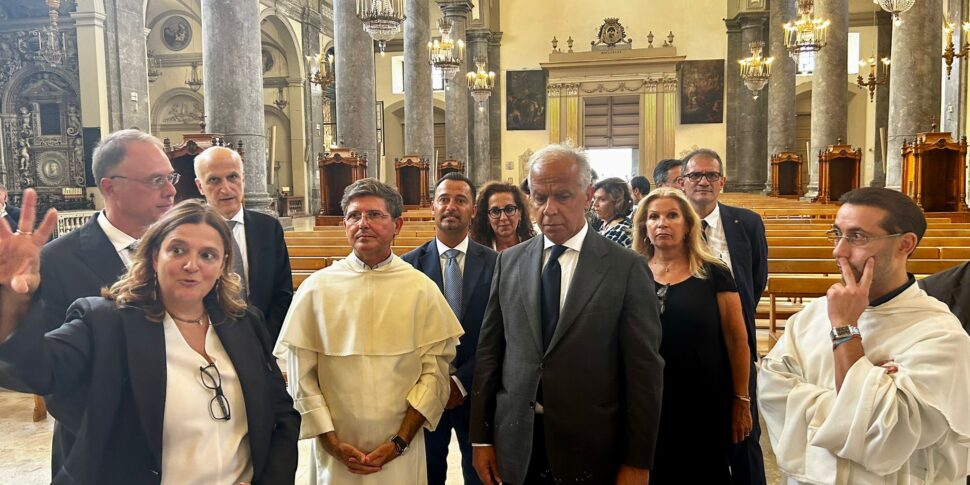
479 159
126 64
91 66
884 40
955 88
456 94
356 99
418 101
495 105
313 107
914 94
781 85
830 104
733 89
752 143
233 87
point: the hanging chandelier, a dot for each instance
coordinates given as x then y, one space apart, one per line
48 38
951 51
756 70
194 82
480 83
895 7
874 79
447 55
154 67
321 70
807 34
382 19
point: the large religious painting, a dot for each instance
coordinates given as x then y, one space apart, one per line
701 92
525 100
176 33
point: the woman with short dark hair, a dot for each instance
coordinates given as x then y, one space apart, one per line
611 204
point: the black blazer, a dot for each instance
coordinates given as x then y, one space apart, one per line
115 358
745 234
952 287
12 217
476 281
270 280
602 374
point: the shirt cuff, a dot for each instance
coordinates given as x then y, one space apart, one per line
315 417
461 388
481 444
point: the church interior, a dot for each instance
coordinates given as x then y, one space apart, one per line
803 100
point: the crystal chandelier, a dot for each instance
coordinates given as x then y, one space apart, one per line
807 34
756 70
48 38
873 79
480 83
382 19
446 55
895 7
951 52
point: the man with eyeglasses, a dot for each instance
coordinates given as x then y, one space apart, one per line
137 182
667 173
462 269
368 343
260 256
870 384
737 236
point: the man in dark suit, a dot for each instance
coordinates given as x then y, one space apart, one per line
462 270
137 181
263 262
7 211
737 236
568 375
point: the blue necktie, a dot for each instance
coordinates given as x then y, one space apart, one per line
453 281
551 287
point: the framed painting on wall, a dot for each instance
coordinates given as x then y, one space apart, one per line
701 92
525 100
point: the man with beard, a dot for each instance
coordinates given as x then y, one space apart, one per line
462 269
870 384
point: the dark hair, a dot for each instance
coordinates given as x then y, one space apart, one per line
902 214
524 186
663 168
706 153
138 287
458 177
372 187
617 191
481 229
641 184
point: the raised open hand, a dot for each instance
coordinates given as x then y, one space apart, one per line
20 251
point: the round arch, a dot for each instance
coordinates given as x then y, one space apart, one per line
24 74
288 42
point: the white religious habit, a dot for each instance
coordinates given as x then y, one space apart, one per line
902 416
361 345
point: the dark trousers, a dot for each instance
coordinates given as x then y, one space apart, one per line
539 473
747 460
436 446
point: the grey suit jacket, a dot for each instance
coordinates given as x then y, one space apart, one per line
601 376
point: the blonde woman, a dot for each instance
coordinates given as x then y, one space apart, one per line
705 402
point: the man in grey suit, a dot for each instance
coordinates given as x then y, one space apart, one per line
568 375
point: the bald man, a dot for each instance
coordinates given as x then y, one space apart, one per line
260 256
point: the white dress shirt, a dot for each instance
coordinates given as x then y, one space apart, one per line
120 240
197 449
567 261
462 248
716 241
239 234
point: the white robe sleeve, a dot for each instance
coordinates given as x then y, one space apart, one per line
304 387
430 393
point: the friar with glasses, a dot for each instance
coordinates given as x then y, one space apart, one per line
736 236
173 373
137 182
870 384
368 342
507 220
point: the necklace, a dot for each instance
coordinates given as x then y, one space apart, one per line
193 321
666 267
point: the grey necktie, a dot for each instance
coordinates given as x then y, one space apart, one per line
704 227
237 262
453 281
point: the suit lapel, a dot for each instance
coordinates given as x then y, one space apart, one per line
252 247
431 264
590 269
530 279
147 371
469 279
97 253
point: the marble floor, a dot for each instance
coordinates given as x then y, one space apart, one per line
25 447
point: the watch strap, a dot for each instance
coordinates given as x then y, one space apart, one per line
844 331
399 443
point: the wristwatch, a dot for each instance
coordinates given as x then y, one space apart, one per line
845 331
401 445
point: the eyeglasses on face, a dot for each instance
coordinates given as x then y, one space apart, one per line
372 216
697 176
496 212
856 238
662 296
155 181
219 405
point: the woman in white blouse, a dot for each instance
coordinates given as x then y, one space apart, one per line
178 381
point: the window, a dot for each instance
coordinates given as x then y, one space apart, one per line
611 122
613 162
397 76
806 61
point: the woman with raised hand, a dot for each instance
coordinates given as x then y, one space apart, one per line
177 380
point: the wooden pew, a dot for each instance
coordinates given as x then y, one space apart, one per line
821 241
825 252
334 251
828 266
816 233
